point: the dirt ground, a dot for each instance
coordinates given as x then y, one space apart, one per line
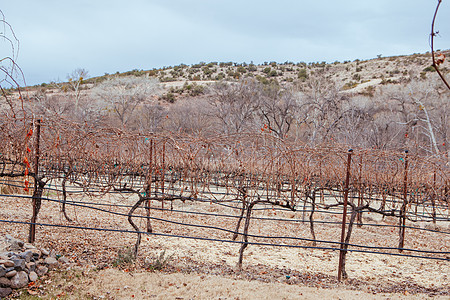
199 269
123 284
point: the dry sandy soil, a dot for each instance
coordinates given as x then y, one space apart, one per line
117 284
197 269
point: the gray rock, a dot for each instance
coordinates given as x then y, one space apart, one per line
2 271
63 260
19 264
33 276
45 252
5 282
4 292
52 253
29 246
14 244
35 258
20 280
27 255
51 261
31 266
11 274
13 256
7 254
36 253
41 270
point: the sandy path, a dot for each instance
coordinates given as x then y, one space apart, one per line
117 284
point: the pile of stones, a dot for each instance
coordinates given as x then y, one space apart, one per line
22 263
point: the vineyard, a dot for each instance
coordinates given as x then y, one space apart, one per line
79 186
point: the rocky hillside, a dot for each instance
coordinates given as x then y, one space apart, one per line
360 76
357 75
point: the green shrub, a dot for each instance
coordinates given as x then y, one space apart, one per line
169 97
167 79
429 69
261 79
241 69
207 71
350 85
196 90
369 91
302 74
220 76
252 68
357 77
225 64
272 73
198 66
267 70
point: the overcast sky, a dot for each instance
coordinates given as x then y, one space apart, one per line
105 36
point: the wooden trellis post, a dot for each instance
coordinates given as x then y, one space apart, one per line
403 209
36 196
149 187
344 214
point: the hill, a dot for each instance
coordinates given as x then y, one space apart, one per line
385 103
357 75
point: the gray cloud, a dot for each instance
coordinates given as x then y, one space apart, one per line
107 36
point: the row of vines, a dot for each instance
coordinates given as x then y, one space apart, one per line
243 175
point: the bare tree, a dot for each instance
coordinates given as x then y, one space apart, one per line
50 105
355 126
151 117
278 110
75 79
191 116
121 95
321 107
441 122
414 106
235 104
